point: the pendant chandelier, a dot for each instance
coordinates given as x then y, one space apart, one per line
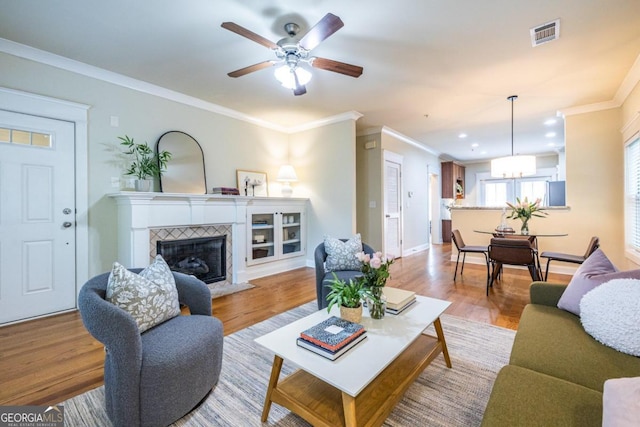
513 166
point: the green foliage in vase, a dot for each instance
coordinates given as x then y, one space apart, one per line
145 163
344 294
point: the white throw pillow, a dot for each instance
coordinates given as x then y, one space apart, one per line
342 255
150 297
621 402
610 313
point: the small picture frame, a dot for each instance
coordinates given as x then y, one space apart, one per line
252 183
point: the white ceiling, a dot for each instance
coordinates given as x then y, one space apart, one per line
455 61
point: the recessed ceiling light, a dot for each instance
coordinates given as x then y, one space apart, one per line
475 144
550 122
483 152
551 144
550 134
462 135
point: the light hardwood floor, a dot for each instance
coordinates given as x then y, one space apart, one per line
47 361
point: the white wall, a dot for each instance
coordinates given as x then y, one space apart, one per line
324 157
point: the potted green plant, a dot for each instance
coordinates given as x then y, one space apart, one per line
347 296
145 163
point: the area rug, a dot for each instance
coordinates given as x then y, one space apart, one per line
218 291
439 397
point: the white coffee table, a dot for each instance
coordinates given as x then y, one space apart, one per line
362 386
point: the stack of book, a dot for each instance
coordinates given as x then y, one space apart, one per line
332 337
225 190
398 299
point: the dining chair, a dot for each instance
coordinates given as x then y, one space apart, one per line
594 244
463 249
510 251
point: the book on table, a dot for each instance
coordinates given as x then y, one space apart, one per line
333 333
398 299
400 310
331 355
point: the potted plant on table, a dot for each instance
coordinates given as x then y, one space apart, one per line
145 163
347 296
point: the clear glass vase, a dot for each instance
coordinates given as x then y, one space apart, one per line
524 230
377 303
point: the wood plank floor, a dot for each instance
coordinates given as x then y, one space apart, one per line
46 361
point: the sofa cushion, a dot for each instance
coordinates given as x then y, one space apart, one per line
342 255
150 297
521 397
552 341
610 313
590 274
621 402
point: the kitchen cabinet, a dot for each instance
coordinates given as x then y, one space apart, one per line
453 185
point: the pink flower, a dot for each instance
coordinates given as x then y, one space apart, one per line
366 258
360 256
375 262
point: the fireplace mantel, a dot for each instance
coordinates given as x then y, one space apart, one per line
138 212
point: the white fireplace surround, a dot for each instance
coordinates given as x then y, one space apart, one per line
140 212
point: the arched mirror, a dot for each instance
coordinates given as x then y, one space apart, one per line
185 171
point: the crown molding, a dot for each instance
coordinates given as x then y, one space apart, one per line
404 138
77 67
589 108
349 115
629 83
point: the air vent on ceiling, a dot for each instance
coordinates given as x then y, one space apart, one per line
545 33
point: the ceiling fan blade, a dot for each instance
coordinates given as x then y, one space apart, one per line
337 67
251 68
322 30
233 27
299 89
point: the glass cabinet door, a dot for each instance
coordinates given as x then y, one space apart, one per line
291 233
262 237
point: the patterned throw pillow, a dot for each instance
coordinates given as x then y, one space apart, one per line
342 255
150 297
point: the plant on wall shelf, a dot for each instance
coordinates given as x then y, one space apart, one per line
145 163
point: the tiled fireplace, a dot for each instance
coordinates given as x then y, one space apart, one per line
146 218
196 234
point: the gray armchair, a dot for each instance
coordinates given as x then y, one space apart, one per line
323 278
154 378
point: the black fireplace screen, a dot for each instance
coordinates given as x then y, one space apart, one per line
203 257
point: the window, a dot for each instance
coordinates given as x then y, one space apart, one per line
24 137
632 198
496 192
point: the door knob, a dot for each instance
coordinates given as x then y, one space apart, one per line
66 224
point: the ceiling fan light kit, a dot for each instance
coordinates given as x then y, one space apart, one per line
292 52
513 166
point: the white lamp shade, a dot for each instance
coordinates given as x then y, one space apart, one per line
513 166
284 75
287 174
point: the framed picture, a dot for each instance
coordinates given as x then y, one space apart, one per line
252 183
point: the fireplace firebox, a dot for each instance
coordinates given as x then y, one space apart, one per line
203 257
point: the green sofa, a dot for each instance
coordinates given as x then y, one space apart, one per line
556 372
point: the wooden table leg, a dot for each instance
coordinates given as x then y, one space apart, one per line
349 408
273 382
440 334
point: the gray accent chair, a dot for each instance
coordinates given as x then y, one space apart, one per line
323 278
154 378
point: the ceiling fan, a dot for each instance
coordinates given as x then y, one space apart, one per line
293 51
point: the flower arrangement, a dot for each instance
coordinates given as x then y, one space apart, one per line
375 268
375 272
524 210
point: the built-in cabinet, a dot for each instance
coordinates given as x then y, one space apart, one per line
453 186
275 233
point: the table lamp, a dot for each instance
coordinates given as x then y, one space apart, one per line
286 175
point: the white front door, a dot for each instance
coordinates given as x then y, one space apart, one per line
392 204
37 216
